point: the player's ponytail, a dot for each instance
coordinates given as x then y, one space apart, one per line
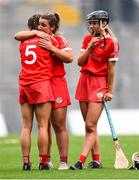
57 25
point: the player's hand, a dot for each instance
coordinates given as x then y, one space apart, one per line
107 96
42 34
94 42
45 44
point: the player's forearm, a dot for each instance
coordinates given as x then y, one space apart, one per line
23 35
110 82
83 57
111 74
65 56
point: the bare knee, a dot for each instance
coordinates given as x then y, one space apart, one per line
90 128
59 127
42 125
27 127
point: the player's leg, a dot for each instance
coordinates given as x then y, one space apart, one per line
93 114
58 118
95 150
43 111
49 145
95 153
27 111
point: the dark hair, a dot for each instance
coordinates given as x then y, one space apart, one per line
33 22
53 19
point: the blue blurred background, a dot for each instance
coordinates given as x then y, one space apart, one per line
124 23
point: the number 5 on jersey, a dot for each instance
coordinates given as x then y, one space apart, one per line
28 52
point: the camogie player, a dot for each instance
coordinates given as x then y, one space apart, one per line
60 55
97 61
59 86
35 94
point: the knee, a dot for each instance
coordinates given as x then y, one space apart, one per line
59 127
27 127
90 128
42 125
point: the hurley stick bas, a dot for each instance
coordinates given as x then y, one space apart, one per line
121 161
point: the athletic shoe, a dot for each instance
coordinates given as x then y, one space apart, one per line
77 165
50 164
63 166
94 165
26 167
43 167
132 168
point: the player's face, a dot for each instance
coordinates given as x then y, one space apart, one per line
94 27
45 27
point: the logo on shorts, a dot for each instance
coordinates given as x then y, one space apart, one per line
59 100
100 95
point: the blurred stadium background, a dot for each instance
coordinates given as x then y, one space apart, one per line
124 23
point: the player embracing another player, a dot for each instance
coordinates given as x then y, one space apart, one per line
58 52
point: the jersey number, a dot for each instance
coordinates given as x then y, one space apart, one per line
28 52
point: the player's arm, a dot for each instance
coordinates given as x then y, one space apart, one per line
84 54
82 59
110 80
65 55
23 35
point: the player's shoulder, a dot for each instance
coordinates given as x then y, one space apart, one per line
113 42
31 40
87 39
112 39
61 39
59 36
87 36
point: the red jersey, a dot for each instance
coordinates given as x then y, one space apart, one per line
58 65
36 62
107 50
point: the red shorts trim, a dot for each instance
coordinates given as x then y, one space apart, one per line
60 92
89 87
36 93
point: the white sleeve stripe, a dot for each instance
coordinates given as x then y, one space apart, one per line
64 41
82 50
115 45
113 59
67 48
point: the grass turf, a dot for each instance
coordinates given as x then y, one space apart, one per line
11 160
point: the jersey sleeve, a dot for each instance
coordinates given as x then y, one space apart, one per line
85 42
114 51
63 44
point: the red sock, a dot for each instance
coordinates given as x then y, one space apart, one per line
82 159
64 159
43 159
26 159
48 158
95 157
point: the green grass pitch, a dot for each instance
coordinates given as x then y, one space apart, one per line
11 160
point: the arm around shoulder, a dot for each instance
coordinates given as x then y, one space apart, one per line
23 35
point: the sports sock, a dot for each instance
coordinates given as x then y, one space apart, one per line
82 159
64 159
95 157
48 158
26 159
43 159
